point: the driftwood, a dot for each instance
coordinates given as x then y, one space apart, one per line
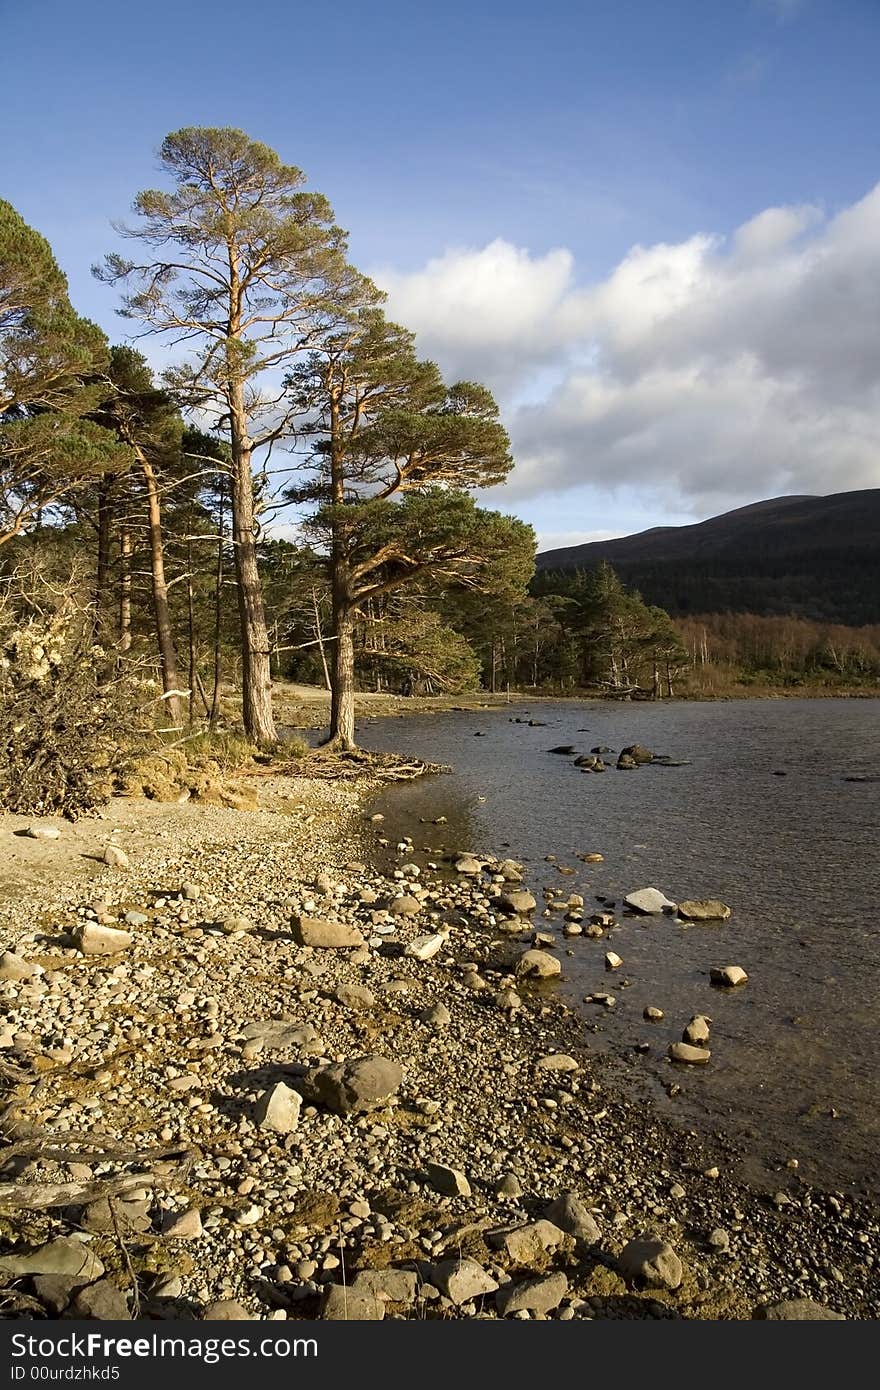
39 1196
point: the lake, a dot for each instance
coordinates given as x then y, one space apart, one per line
794 1070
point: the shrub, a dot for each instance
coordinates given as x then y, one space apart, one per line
64 724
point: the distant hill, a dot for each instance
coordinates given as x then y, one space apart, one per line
814 557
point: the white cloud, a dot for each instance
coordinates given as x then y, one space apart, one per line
712 371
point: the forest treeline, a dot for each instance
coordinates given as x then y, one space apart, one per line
292 496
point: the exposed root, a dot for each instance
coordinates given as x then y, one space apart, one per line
348 765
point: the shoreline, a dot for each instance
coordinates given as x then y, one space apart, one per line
308 712
166 1045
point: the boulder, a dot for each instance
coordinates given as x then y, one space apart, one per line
281 1035
390 1285
324 935
529 1245
95 940
404 906
355 997
612 960
342 1304
426 947
350 1087
652 1013
15 968
518 902
115 857
697 1031
652 1262
573 1216
638 753
534 1295
703 910
230 926
451 1182
226 1310
538 965
463 1280
728 976
183 1225
467 864
564 749
103 1300
436 1016
649 901
43 832
278 1109
65 1256
690 1056
796 1310
557 1062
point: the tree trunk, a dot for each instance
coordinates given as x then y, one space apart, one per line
256 682
161 612
341 734
342 686
102 578
125 549
218 616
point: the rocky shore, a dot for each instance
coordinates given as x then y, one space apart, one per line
270 1067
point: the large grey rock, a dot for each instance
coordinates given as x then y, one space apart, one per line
649 901
463 1280
278 1109
652 1262
426 947
104 1301
557 1062
278 1035
450 1182
343 1304
538 965
65 1256
324 935
391 1285
796 1310
226 1310
573 1216
703 910
534 1295
15 968
43 832
404 906
518 901
183 1225
128 1218
348 1087
436 1016
95 940
355 997
467 864
528 1245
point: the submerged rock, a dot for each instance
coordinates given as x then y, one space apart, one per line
728 975
703 910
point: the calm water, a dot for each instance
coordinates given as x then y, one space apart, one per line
795 856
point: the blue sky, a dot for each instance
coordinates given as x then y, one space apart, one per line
486 155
